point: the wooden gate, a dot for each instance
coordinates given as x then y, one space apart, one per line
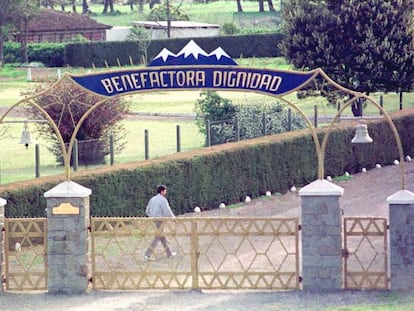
25 253
365 253
212 253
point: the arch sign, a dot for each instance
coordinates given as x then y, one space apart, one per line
193 68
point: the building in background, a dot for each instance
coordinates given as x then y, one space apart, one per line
59 26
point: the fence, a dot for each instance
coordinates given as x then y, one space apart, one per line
256 253
212 253
143 140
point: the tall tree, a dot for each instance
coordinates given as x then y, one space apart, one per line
364 45
168 12
261 5
85 7
23 11
270 4
108 5
5 9
239 6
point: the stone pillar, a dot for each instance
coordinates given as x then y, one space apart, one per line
68 221
401 220
3 203
321 236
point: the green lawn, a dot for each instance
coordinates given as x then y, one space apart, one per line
215 12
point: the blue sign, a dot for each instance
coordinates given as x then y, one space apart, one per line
193 69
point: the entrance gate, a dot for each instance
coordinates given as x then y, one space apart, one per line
365 253
25 253
212 253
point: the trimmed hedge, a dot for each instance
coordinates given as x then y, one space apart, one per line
224 173
50 54
114 53
96 53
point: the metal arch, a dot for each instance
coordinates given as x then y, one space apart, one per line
391 124
49 121
320 148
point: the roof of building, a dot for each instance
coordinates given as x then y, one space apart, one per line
47 20
174 24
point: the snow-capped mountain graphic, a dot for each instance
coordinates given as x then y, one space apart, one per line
192 54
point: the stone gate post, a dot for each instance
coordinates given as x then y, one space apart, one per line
3 203
68 220
401 220
321 236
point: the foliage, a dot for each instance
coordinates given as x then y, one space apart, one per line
362 45
66 103
250 119
167 11
276 120
212 107
229 28
15 14
142 38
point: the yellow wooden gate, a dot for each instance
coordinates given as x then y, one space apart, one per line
365 253
25 253
212 253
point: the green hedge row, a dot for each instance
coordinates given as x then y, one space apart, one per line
100 54
122 52
50 54
224 173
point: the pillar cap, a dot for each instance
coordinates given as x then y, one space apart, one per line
321 187
401 197
3 202
68 189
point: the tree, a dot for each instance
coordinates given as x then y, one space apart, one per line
23 11
108 4
138 3
261 6
66 103
85 7
5 9
143 39
167 12
239 6
363 45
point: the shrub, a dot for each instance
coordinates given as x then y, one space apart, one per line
73 103
50 54
229 29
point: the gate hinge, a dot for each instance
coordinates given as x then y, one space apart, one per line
345 253
299 227
300 279
89 228
90 279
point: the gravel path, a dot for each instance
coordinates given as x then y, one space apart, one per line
365 194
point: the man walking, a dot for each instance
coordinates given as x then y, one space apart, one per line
158 206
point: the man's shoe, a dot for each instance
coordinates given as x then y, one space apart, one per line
149 258
173 254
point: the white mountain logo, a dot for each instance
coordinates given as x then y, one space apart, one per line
192 54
